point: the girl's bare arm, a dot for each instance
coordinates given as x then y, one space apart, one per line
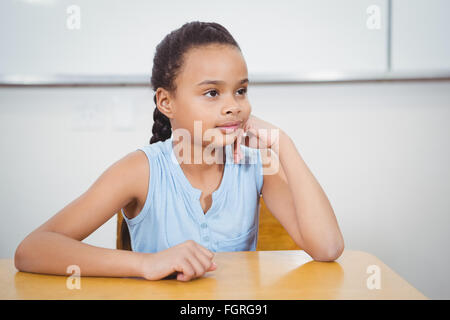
57 243
298 200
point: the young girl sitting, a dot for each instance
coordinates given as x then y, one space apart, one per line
195 189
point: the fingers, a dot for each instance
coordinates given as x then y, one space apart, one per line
209 255
207 252
206 262
199 269
197 261
237 147
194 267
185 269
251 140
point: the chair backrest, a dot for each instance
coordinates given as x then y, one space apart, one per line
271 234
123 235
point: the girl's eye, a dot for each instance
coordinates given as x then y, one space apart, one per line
211 92
242 90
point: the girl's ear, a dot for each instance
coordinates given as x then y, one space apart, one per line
163 103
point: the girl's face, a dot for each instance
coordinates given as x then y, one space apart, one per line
211 90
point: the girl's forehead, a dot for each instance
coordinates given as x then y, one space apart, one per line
213 63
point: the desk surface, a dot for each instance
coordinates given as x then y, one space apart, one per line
252 275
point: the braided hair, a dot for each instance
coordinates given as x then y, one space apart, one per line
168 61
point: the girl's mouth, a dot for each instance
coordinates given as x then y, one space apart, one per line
228 129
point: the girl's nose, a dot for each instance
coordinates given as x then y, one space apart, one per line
234 109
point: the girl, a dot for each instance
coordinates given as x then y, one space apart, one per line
181 208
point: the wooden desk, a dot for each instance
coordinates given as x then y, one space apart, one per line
272 275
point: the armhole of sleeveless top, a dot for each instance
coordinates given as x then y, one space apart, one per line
259 171
141 215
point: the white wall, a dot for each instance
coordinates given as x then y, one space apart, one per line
379 150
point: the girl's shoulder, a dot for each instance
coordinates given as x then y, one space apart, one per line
139 167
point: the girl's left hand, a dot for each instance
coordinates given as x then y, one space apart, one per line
260 135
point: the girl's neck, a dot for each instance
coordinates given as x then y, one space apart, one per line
196 165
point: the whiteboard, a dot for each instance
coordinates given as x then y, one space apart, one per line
420 35
285 38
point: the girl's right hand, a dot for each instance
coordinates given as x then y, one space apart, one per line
189 259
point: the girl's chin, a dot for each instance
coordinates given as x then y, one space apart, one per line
223 139
228 138
218 144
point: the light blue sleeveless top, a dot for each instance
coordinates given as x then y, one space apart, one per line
172 212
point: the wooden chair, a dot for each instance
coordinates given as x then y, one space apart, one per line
271 235
123 240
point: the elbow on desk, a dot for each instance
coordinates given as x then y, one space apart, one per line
329 254
18 258
21 258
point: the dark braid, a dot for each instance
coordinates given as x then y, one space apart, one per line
162 128
168 61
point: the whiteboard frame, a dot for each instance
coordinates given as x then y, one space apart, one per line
144 80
